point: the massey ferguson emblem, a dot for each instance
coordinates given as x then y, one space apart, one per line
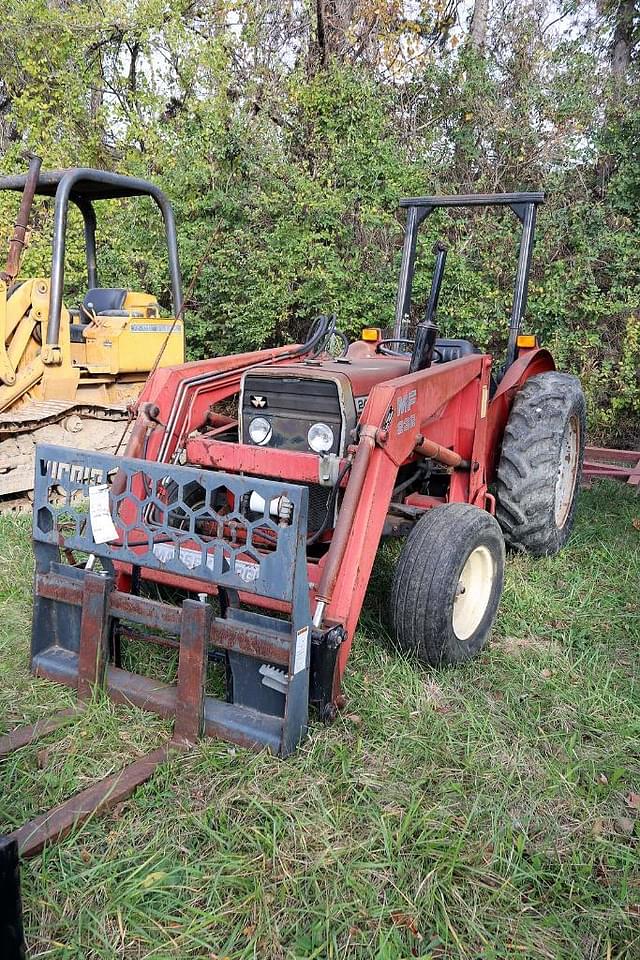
405 403
258 401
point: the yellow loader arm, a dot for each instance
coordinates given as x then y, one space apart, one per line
20 365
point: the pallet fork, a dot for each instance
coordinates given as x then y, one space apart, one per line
80 617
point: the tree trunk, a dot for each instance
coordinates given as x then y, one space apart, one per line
621 50
478 26
8 130
321 39
333 20
622 43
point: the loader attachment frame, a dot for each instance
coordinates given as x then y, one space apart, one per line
78 612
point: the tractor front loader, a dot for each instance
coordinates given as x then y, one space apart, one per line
75 369
240 528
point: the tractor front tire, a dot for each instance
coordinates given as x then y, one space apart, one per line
447 584
538 474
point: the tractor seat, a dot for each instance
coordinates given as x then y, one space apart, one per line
453 350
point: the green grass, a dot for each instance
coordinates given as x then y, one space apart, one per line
473 813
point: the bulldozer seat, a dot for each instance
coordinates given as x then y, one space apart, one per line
103 301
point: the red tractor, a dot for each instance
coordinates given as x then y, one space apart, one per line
260 486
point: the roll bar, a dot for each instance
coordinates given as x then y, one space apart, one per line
524 205
82 186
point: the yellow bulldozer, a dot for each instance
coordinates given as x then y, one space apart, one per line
75 369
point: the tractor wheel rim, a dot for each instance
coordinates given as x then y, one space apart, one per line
473 592
567 471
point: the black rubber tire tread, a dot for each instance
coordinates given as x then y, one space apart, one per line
529 461
426 579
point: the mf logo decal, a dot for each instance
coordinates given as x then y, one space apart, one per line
405 403
258 401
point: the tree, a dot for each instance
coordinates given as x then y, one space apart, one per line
478 25
625 38
285 133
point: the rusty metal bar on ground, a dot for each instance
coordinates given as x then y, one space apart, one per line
58 822
22 736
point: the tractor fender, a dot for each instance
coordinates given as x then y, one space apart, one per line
528 364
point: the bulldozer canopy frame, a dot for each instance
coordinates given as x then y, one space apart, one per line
82 186
524 205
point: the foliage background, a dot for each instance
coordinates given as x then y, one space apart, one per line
285 132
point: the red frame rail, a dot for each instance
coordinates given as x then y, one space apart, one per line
614 464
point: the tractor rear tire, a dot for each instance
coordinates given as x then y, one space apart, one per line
538 475
447 584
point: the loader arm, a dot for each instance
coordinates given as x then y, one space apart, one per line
397 414
20 312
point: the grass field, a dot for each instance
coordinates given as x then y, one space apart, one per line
485 812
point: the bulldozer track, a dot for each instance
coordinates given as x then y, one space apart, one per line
43 413
44 421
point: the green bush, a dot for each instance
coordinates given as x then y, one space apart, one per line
286 182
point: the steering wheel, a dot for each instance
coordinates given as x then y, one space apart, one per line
389 351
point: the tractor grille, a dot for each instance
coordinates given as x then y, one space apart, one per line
292 405
318 499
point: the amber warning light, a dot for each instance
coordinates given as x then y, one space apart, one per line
371 334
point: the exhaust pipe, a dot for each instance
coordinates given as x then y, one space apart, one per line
16 244
427 331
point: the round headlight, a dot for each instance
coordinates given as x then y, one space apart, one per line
320 437
260 430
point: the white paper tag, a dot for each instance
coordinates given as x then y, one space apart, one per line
300 659
100 513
